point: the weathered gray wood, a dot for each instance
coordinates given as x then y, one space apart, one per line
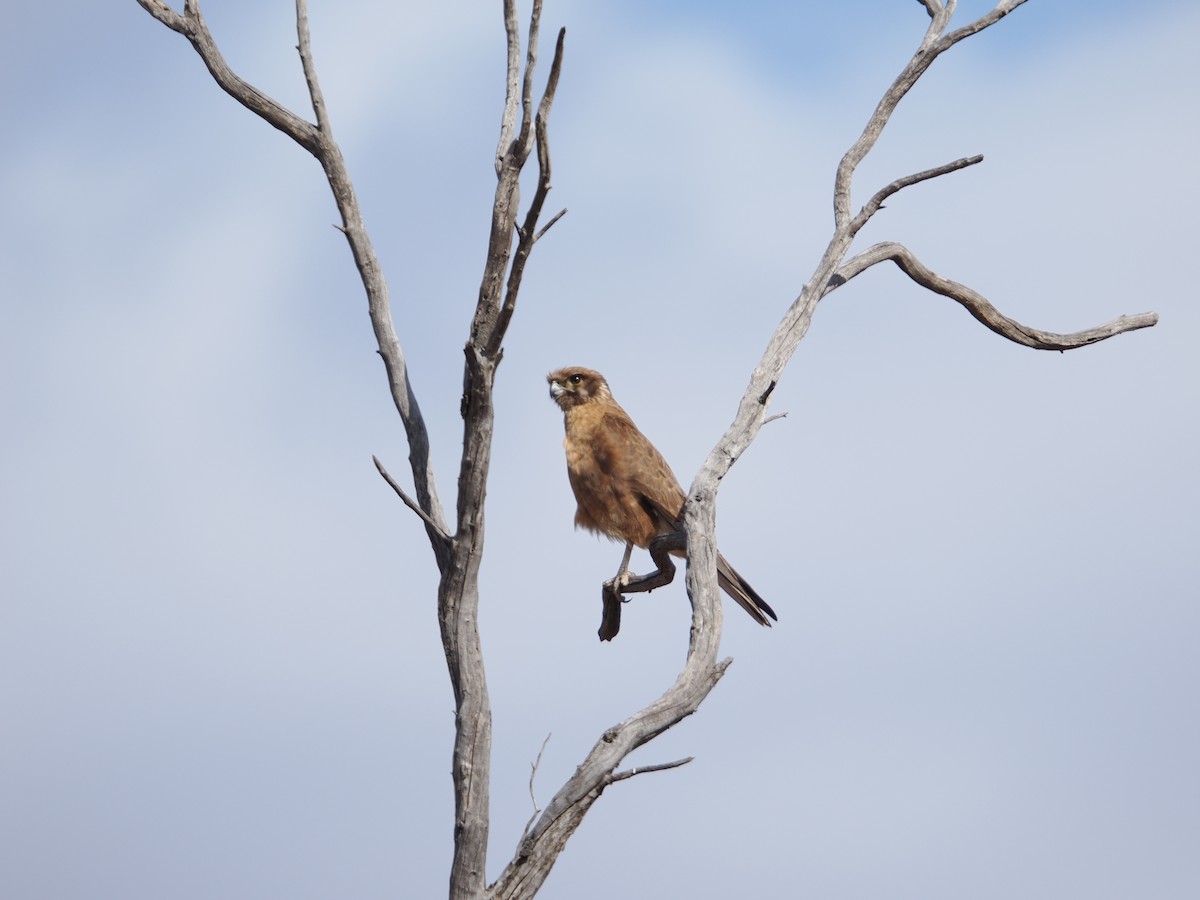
458 556
834 270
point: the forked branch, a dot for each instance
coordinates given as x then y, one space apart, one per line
833 270
192 26
527 232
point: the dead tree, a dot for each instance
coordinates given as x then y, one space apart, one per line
458 551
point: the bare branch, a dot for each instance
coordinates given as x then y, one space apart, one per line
876 202
527 236
492 314
558 215
920 61
797 319
525 139
412 504
1001 10
933 7
533 769
979 307
192 26
310 70
165 14
319 142
539 849
641 770
512 79
458 599
932 46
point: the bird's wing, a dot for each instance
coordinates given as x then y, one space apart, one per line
640 469
638 465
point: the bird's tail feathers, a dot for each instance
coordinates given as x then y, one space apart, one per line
739 589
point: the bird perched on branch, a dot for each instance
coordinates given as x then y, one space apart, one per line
626 491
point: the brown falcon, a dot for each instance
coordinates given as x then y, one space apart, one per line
623 487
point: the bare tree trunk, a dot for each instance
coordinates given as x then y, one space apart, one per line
458 554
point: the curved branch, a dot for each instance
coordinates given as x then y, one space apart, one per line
979 307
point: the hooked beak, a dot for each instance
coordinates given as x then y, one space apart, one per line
556 390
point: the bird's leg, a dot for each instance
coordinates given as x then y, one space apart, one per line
625 582
623 575
610 619
661 549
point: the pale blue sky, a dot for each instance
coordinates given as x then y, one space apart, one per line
220 674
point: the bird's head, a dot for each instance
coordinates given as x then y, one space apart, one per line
576 385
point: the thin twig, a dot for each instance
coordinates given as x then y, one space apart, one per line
533 768
558 215
641 770
412 504
876 202
310 70
1001 10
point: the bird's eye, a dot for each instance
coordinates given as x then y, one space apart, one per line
575 379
